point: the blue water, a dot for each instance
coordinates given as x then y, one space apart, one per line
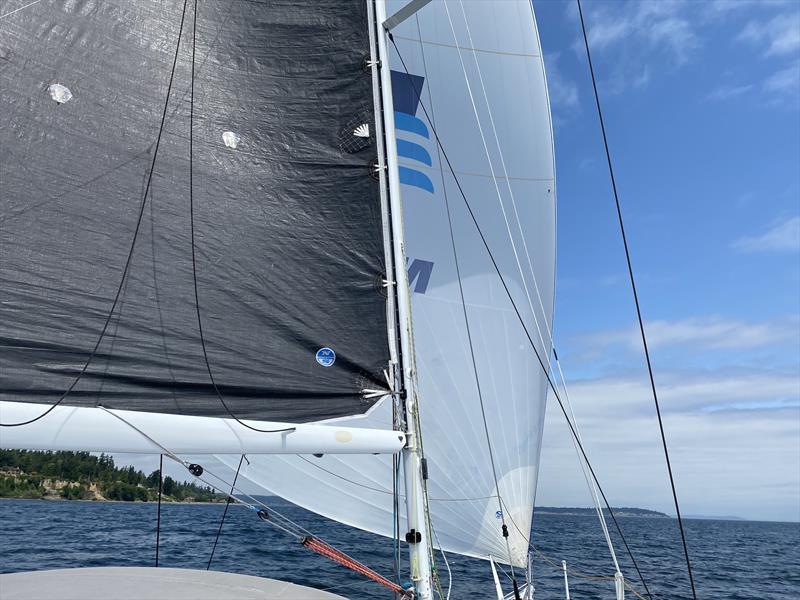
732 559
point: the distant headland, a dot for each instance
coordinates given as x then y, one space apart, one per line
84 476
623 511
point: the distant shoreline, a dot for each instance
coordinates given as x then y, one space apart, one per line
624 511
98 501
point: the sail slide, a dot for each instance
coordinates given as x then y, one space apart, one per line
156 179
478 68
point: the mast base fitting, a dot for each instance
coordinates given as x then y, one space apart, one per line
195 470
413 537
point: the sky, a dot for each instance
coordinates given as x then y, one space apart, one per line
702 109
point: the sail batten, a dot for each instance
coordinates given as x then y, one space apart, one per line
288 227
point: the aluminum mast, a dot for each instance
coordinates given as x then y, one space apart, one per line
417 536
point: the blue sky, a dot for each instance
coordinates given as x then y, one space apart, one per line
702 108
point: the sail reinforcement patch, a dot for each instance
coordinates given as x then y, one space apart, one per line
231 139
59 93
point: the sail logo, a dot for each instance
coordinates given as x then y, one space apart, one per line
326 357
419 274
406 90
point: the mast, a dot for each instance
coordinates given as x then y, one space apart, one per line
417 536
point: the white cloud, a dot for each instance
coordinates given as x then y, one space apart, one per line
656 25
699 333
639 33
734 461
782 237
725 92
782 88
779 36
563 92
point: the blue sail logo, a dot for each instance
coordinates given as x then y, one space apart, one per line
326 357
406 89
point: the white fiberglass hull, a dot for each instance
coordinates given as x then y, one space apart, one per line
145 583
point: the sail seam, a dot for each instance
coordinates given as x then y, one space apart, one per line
499 52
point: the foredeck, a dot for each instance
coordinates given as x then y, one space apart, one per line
148 583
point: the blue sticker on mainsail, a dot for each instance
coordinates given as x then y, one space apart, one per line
498 515
326 357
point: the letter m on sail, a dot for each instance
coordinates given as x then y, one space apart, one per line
419 274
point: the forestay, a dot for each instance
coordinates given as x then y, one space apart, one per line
494 124
287 216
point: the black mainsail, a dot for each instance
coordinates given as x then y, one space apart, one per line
287 217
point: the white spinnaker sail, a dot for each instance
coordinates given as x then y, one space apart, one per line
479 68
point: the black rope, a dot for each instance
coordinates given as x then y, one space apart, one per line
636 302
158 513
194 251
544 368
194 259
132 246
225 512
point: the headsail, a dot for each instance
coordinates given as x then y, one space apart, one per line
513 197
287 218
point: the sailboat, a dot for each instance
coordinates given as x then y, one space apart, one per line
318 234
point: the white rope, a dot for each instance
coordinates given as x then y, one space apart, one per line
446 564
8 14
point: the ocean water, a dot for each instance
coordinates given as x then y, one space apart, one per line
734 560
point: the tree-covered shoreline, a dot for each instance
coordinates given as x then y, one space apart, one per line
85 476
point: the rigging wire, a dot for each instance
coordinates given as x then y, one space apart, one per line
267 514
158 513
578 574
194 246
636 302
545 370
133 241
224 513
